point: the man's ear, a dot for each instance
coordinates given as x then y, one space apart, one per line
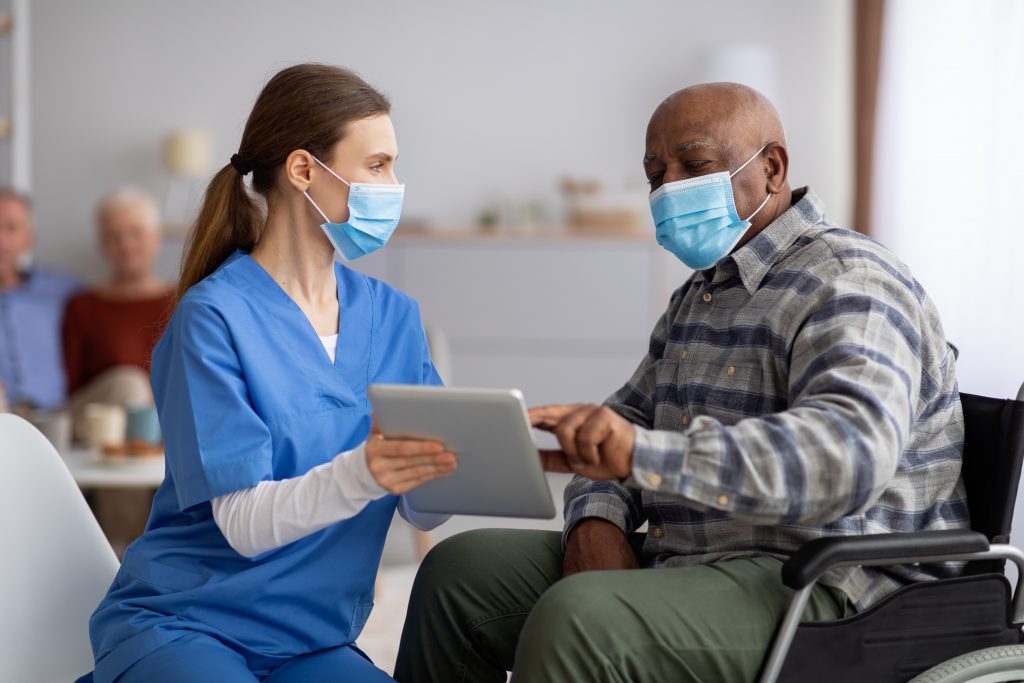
298 169
778 167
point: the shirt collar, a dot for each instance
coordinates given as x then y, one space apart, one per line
755 258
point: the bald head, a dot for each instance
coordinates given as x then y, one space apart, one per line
731 114
715 127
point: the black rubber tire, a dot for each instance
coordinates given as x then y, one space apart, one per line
991 665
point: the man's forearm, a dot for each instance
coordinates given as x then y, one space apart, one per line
597 544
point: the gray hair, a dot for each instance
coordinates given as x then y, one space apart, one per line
128 197
11 193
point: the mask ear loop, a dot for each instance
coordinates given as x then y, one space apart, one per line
318 210
753 156
758 209
328 169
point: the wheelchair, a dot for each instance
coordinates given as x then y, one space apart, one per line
968 629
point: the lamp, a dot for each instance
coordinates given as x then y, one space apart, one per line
186 153
186 158
750 64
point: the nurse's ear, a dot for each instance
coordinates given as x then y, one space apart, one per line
298 169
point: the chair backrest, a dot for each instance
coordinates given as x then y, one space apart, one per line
56 566
993 454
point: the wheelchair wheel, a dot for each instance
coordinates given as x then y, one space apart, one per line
991 665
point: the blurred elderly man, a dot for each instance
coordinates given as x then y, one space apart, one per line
109 331
32 300
798 385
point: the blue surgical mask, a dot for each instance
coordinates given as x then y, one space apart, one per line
696 219
373 213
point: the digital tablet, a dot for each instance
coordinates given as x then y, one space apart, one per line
499 472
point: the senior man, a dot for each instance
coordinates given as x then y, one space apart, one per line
799 385
32 300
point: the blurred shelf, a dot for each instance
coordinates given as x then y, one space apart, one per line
418 235
518 235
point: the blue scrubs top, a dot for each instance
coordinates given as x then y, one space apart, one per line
247 393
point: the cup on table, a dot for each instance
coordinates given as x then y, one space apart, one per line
142 424
104 425
55 425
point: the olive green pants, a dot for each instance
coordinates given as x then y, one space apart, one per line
490 601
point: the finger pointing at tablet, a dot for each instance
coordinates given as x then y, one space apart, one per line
554 461
596 442
548 417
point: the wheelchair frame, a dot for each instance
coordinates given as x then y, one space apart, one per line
807 566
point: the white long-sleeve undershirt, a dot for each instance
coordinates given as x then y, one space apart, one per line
275 513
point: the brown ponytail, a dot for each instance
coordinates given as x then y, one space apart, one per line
307 106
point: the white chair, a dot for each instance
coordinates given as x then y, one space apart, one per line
57 565
440 352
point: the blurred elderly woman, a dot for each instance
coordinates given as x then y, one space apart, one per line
110 331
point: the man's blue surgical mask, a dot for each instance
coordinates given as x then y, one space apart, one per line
373 213
696 219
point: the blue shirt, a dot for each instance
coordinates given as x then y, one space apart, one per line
31 314
247 393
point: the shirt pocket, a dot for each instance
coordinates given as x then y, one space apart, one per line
730 389
360 615
158 574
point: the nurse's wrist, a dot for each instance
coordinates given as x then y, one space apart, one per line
353 475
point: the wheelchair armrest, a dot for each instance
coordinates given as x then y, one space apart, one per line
816 557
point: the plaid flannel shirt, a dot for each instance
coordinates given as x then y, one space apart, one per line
802 388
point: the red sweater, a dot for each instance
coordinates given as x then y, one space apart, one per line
101 333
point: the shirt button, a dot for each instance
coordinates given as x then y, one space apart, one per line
655 480
686 419
707 297
731 371
657 532
723 500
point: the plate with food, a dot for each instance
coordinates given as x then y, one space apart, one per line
131 452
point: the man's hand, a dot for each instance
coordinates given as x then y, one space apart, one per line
399 465
596 442
597 544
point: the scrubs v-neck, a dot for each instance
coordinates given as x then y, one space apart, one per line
247 393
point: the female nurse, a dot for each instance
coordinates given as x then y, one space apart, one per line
260 555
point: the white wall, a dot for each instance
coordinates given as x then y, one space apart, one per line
490 99
947 189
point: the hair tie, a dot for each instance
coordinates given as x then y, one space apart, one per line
241 165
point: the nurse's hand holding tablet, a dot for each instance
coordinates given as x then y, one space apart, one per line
401 465
499 473
261 553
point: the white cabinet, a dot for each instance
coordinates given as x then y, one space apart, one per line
561 318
